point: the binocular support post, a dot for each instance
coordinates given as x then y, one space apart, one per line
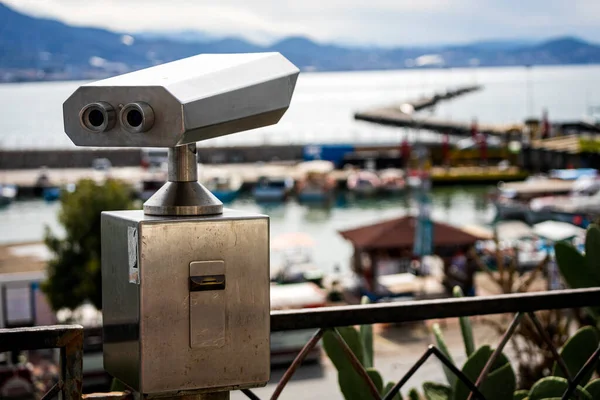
182 195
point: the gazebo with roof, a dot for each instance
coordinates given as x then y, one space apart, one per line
386 248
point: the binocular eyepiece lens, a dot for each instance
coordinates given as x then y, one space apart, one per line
97 117
137 117
134 118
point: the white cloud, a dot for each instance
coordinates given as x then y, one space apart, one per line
384 22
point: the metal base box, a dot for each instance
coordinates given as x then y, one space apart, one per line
186 301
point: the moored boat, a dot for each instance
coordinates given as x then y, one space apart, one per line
512 199
392 181
363 183
579 206
272 189
292 259
225 187
316 184
7 194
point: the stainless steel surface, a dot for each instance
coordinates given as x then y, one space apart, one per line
136 117
207 308
192 99
120 300
159 338
97 117
183 164
183 198
183 195
199 396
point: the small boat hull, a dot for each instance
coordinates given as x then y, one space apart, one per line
511 210
7 194
51 194
363 183
315 196
226 196
269 195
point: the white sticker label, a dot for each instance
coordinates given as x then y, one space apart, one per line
132 249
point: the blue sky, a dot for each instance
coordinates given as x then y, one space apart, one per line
379 22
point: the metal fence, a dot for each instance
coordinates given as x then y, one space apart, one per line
68 338
522 305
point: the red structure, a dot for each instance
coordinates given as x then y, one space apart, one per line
545 125
405 151
474 129
482 138
446 149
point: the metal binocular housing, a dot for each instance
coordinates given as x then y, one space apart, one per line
181 102
178 104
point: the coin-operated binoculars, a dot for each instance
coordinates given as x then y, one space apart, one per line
185 283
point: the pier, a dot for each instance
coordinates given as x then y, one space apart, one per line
431 101
396 115
392 116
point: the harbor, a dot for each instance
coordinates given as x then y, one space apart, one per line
393 213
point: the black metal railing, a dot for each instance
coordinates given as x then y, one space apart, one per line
522 305
68 338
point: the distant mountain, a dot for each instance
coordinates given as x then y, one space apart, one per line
60 51
502 44
177 36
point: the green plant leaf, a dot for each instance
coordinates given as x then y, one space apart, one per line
117 386
593 388
376 378
520 394
335 351
352 385
366 335
413 394
577 351
572 266
436 391
554 386
441 344
389 387
500 383
465 327
592 252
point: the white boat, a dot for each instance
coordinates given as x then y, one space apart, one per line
512 199
392 181
291 259
556 231
285 346
583 200
7 194
363 183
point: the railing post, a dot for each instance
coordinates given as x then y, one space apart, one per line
68 338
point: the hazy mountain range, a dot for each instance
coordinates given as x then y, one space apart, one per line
55 49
